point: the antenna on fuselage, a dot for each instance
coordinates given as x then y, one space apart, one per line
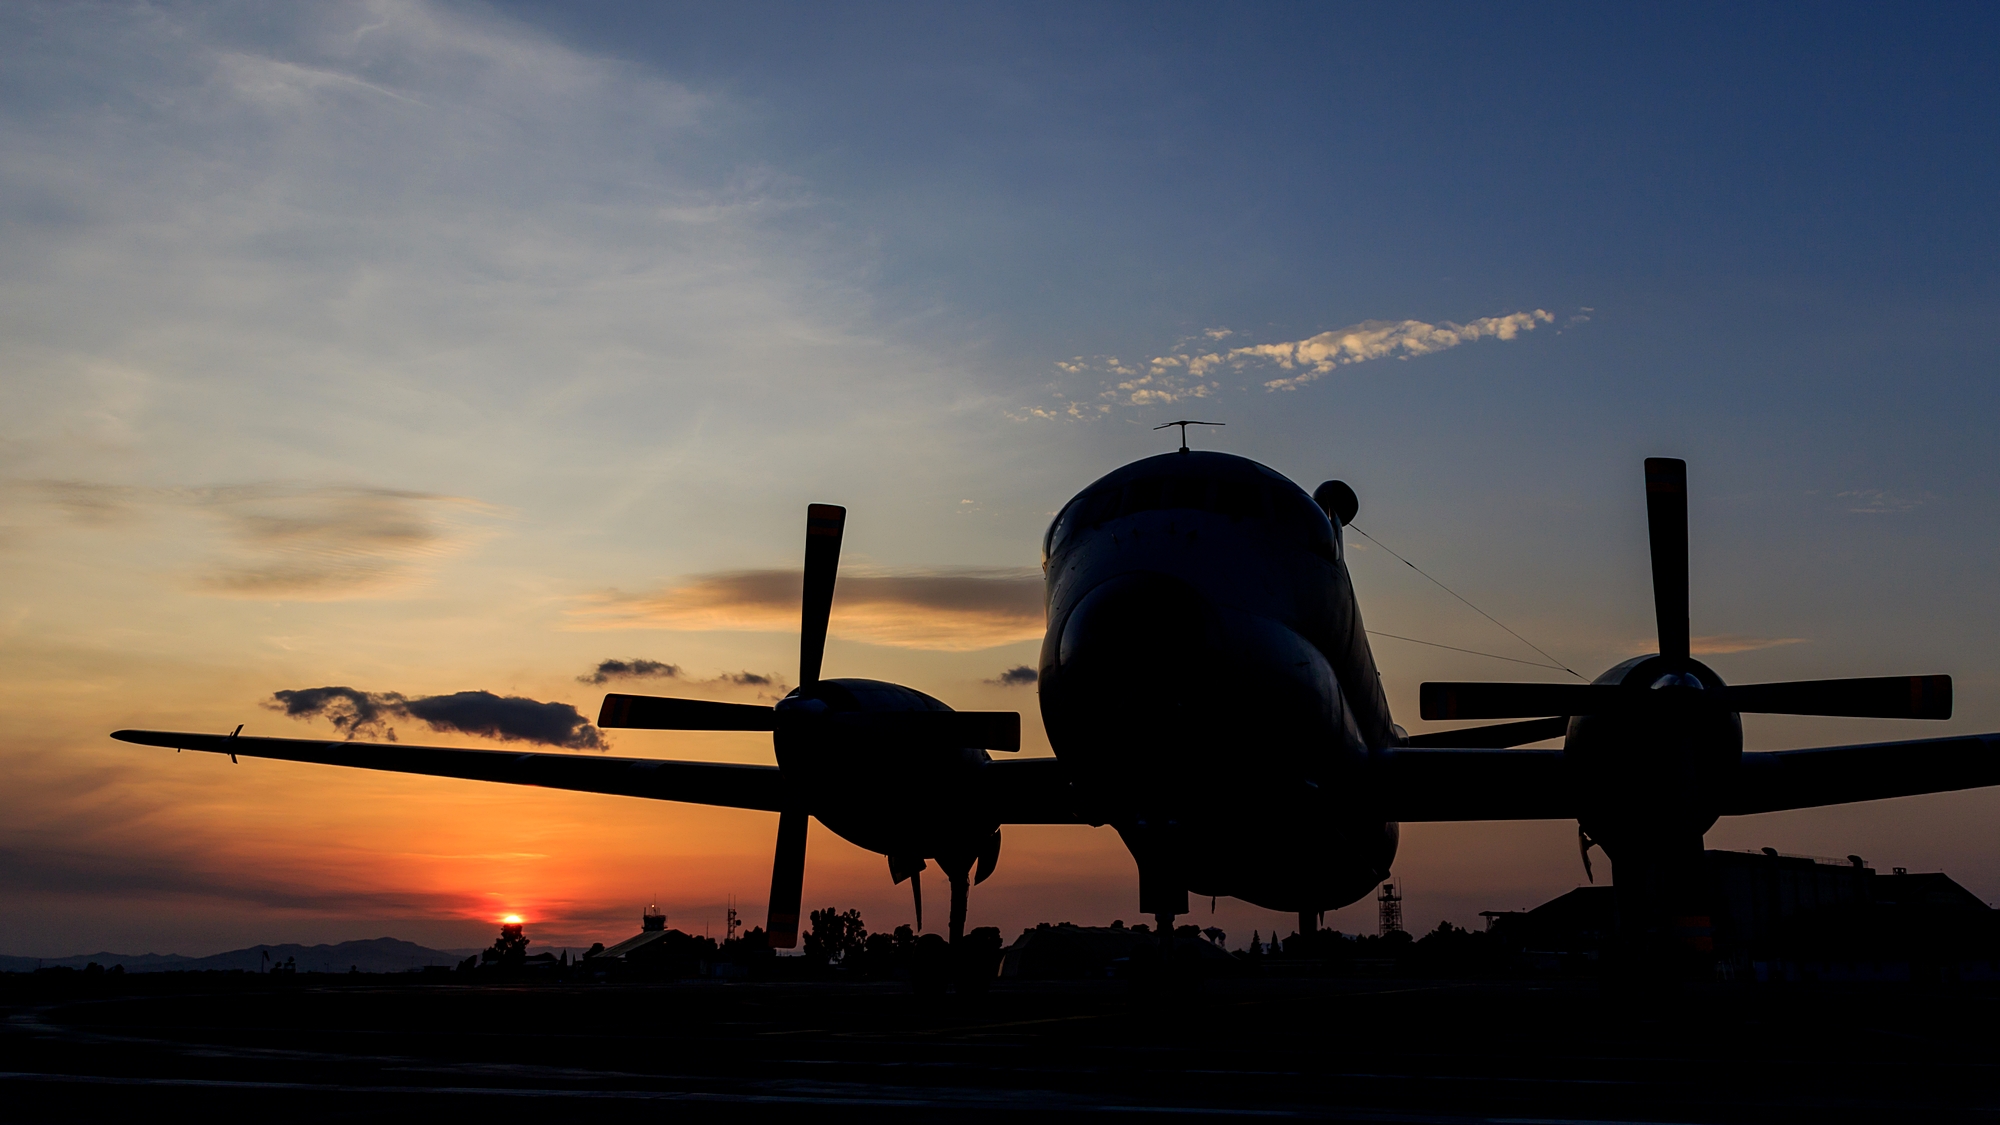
1184 425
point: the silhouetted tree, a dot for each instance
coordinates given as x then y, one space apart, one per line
834 935
978 957
930 964
510 949
746 946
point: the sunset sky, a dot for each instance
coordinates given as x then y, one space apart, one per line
426 348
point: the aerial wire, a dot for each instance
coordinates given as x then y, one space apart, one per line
1469 651
1552 661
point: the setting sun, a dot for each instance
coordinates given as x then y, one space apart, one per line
512 920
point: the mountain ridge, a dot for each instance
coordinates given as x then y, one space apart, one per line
368 955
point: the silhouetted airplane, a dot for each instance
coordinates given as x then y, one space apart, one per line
1210 693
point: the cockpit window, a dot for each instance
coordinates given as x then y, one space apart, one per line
1237 499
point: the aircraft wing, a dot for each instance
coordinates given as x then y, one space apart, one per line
1029 791
1835 775
702 783
1435 783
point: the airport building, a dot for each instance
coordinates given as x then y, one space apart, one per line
1790 918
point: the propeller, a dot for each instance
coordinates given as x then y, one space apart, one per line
1674 682
805 719
1496 737
1872 697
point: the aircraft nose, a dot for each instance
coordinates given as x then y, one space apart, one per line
1134 627
1151 686
1127 685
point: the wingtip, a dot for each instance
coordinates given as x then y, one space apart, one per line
152 737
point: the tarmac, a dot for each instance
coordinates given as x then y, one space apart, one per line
346 1048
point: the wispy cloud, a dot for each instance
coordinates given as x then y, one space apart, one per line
1020 676
1187 373
295 542
273 242
332 542
509 718
1881 501
1722 644
943 610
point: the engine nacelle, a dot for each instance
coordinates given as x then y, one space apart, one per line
1652 771
902 800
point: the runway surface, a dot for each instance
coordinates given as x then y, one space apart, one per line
341 1048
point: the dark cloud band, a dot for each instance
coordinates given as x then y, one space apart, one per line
953 611
609 670
636 669
509 718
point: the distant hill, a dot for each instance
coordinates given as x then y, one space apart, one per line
376 955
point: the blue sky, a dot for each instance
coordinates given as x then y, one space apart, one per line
429 347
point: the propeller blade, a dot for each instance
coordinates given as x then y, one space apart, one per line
986 730
788 878
1878 697
917 893
824 524
989 858
1500 736
1881 697
1514 701
653 712
1667 528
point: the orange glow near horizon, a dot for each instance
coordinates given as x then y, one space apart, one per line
511 920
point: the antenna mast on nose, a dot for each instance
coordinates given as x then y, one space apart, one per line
1184 424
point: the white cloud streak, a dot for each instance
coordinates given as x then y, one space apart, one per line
1191 373
1377 339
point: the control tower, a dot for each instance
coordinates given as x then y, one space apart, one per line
1390 902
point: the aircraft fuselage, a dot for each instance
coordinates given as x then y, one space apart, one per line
1207 682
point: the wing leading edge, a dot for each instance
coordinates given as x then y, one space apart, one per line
702 783
1438 783
1027 791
